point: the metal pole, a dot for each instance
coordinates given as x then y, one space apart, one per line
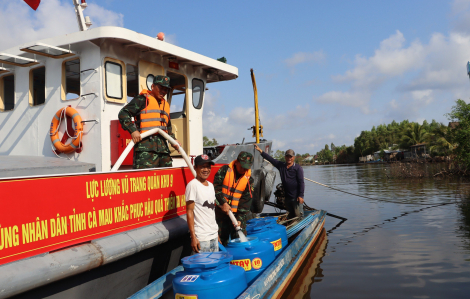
79 12
256 105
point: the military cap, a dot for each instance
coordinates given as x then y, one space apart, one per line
162 80
245 159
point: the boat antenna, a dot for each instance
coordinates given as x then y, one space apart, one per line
83 22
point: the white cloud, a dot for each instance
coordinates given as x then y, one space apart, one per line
171 39
390 59
103 17
233 126
243 116
459 6
305 57
279 144
437 65
424 96
20 24
346 98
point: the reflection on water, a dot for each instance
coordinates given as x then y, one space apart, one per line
388 250
310 271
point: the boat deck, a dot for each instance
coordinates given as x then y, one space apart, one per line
18 166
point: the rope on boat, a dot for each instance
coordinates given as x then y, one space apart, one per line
384 200
283 218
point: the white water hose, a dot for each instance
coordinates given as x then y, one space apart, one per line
146 134
180 150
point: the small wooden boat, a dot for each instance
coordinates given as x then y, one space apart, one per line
273 282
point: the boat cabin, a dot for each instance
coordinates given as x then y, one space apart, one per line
97 72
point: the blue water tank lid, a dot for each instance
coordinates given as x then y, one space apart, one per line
206 260
255 220
237 242
256 228
270 219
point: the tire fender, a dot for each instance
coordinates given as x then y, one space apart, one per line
259 190
269 184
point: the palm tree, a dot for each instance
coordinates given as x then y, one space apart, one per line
440 140
414 134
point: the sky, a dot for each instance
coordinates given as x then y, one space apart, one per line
325 70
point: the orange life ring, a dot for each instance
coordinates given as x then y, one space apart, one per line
77 138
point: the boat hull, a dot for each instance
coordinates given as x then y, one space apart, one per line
273 282
150 225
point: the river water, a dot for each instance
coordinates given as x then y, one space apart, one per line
386 250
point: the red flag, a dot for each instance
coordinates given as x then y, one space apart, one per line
33 3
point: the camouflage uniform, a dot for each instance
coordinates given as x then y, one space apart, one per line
152 151
226 227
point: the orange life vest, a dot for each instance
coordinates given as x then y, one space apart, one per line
154 115
232 189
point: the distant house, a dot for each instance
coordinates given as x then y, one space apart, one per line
390 155
308 159
385 157
418 150
366 158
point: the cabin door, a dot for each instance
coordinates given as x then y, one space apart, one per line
176 98
178 108
147 71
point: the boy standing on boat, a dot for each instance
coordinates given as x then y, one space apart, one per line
233 191
200 206
150 110
292 177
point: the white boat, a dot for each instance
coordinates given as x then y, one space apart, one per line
68 226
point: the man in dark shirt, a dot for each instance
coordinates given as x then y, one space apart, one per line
292 177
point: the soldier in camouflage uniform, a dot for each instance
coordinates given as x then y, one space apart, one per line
152 151
226 228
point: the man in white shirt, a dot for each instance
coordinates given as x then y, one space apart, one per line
200 208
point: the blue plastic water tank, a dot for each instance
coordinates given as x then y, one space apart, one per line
254 256
208 275
272 222
267 232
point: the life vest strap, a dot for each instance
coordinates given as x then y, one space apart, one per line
233 190
153 119
154 127
154 111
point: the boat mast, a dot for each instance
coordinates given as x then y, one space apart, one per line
83 22
256 128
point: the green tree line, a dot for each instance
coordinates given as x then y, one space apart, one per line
440 139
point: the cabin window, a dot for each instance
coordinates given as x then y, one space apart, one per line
37 86
7 93
115 83
149 81
132 82
71 80
198 93
178 99
178 94
113 80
